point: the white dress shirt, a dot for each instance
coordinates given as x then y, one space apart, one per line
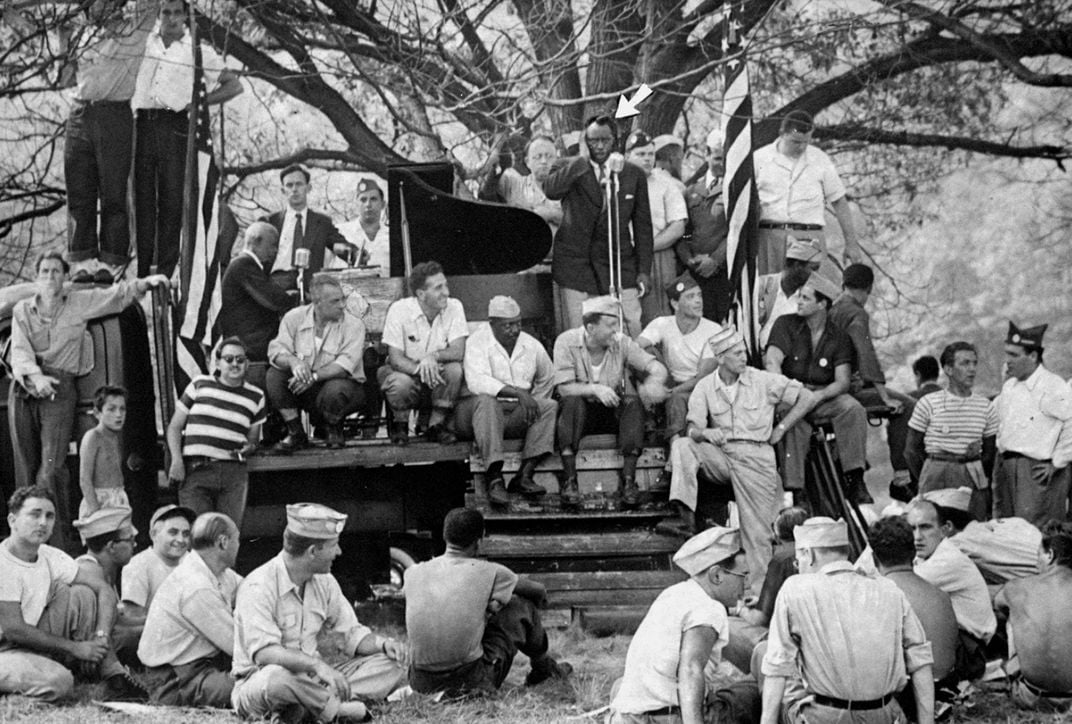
1032 413
488 368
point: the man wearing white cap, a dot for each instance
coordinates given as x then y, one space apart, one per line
731 431
778 294
796 181
668 216
942 564
594 368
509 374
669 154
283 607
808 347
703 251
188 639
670 666
854 641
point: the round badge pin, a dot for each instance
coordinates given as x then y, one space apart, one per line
823 362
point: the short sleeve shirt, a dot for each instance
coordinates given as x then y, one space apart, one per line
950 423
342 343
796 190
574 364
30 584
682 352
815 367
667 201
142 577
407 328
749 413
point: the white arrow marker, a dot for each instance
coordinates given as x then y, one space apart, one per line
627 108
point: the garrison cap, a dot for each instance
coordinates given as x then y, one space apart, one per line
802 249
1028 338
637 139
817 282
171 511
667 139
313 520
677 287
601 305
725 339
104 520
571 142
503 307
952 498
821 532
707 548
368 184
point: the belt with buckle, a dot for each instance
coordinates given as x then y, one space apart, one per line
861 705
951 458
790 226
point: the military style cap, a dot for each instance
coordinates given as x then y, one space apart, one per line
571 142
707 548
314 521
821 532
104 520
504 307
802 249
601 305
725 339
169 511
667 139
714 138
637 139
824 286
1029 337
367 184
676 288
952 498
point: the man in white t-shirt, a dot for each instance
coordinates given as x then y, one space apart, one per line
169 530
673 658
53 615
368 232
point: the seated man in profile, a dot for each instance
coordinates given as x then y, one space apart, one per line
468 618
594 368
509 374
317 365
1040 625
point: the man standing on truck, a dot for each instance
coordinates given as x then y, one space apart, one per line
425 338
283 607
509 374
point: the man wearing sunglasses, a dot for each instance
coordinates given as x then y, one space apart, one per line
216 424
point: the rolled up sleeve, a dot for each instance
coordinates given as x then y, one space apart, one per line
782 650
917 648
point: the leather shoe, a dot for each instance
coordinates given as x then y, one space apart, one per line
103 276
570 493
439 433
547 668
497 492
399 433
82 276
630 493
525 485
335 437
293 441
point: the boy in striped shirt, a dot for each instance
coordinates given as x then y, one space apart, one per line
952 432
216 424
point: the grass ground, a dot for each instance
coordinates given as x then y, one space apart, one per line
597 663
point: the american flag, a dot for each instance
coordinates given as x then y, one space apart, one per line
738 182
199 261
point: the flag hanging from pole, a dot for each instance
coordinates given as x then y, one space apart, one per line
738 183
199 260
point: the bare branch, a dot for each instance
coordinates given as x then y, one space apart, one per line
859 132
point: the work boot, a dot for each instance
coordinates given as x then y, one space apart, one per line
439 433
526 486
123 687
335 437
398 430
662 484
497 492
630 493
856 488
296 438
545 668
570 493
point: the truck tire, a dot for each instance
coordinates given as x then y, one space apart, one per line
400 561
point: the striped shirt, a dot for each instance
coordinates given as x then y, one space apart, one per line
219 417
950 423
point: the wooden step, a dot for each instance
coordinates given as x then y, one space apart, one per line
604 545
359 454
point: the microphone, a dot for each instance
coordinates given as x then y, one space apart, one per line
301 261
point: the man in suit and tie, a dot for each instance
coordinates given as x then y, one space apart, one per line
581 265
302 228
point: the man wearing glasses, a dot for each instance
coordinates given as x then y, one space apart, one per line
216 424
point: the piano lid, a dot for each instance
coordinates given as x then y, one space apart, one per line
465 236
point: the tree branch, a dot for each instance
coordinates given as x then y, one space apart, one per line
859 132
301 156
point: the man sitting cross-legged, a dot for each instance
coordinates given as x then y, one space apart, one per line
189 633
509 374
1040 625
467 618
54 616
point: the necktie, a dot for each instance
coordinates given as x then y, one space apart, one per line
299 237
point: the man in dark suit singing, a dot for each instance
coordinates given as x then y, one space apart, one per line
300 227
581 265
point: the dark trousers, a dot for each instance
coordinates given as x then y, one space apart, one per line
328 400
216 485
717 295
96 165
578 417
516 627
204 682
897 425
40 435
159 172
